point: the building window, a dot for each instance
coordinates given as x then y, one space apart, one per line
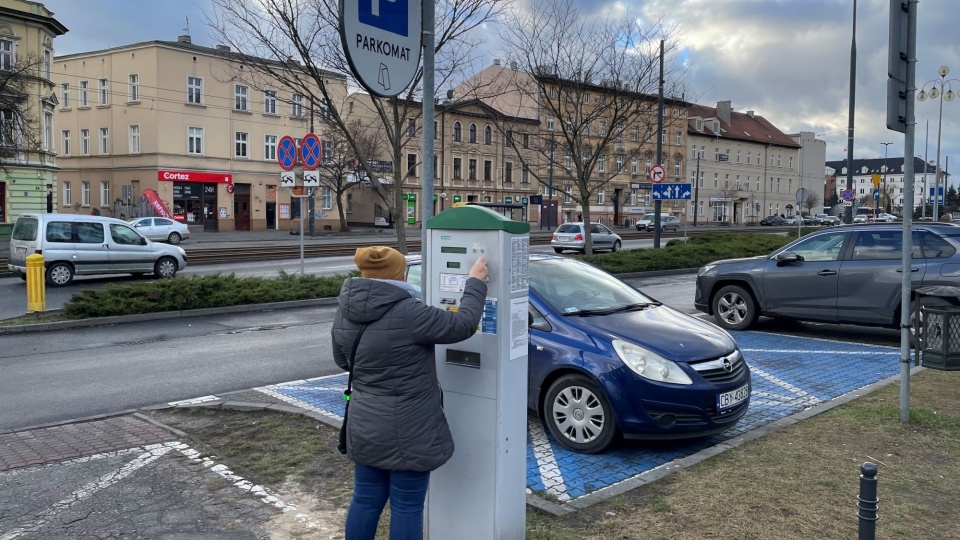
526 140
567 195
600 196
65 95
525 175
472 133
457 175
104 193
456 132
135 139
487 135
84 102
676 168
634 165
7 58
716 180
296 106
67 194
270 147
85 193
85 142
602 128
602 163
635 133
748 157
619 132
487 170
133 87
103 89
104 141
240 93
126 193
195 90
679 138
412 127
195 141
508 138
47 63
699 124
326 198
327 149
550 124
65 142
619 163
270 102
411 164
738 156
568 162
240 146
47 129
791 163
472 169
508 172
663 137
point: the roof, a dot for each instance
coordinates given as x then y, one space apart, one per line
222 53
51 24
459 106
742 127
874 166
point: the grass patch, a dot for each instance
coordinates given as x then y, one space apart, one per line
798 483
37 317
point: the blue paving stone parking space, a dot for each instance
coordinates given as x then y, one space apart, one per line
790 374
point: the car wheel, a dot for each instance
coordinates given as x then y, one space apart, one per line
59 274
734 308
166 267
923 301
616 246
23 277
578 415
558 250
174 238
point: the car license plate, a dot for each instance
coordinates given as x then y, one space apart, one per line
732 398
563 237
21 249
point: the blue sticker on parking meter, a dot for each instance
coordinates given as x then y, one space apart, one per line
488 324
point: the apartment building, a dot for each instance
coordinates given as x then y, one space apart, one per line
889 172
191 124
743 168
28 166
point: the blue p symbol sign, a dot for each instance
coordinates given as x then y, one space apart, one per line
389 15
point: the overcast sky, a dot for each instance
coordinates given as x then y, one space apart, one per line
788 60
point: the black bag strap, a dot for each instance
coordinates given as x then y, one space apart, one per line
353 355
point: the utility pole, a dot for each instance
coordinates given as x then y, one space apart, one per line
658 204
884 197
696 191
428 11
848 210
313 191
923 194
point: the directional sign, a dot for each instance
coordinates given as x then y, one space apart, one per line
939 195
311 152
382 42
876 194
288 179
311 179
848 195
671 192
287 153
656 174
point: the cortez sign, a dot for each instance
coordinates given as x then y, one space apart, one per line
193 176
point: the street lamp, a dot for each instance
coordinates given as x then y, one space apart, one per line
943 89
884 198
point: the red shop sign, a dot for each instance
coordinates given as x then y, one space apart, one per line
193 176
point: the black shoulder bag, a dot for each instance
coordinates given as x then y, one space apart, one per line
342 443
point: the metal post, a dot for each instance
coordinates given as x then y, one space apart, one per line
312 193
658 204
908 180
550 211
301 237
848 210
427 42
867 502
883 193
696 190
936 177
923 194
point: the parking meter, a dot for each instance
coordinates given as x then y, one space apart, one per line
480 494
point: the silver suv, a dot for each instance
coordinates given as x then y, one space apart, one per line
849 274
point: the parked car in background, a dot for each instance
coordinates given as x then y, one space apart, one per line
809 221
849 275
772 220
863 218
571 237
647 219
161 229
827 220
87 245
607 360
790 220
668 223
886 218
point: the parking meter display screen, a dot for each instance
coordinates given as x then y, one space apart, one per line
453 265
449 249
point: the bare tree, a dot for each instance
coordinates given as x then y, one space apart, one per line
296 44
21 126
339 168
812 201
592 83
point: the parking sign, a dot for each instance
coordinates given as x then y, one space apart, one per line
382 42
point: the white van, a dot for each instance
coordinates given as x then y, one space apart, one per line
87 245
648 219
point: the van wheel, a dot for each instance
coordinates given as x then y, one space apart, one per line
558 250
59 274
166 267
23 277
578 415
174 238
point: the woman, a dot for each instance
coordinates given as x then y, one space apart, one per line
396 431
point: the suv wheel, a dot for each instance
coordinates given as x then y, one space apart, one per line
166 267
734 308
59 274
578 415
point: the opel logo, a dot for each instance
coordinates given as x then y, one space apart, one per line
727 365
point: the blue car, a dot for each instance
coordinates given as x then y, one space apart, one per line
606 360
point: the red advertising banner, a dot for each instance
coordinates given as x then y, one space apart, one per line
193 176
156 203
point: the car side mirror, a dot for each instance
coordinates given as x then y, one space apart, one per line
787 257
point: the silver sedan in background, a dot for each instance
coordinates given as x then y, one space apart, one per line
161 229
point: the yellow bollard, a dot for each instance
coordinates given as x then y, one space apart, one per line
36 287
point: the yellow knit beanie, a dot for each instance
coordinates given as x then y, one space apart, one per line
381 262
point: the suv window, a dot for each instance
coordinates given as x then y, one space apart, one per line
822 247
88 233
878 245
568 228
25 229
59 231
935 247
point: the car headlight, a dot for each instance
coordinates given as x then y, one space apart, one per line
705 268
183 252
649 365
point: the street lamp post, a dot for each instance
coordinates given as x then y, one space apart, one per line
884 198
941 88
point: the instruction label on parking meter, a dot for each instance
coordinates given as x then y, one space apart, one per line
519 333
453 283
488 323
519 264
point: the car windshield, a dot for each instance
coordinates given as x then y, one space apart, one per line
568 228
573 287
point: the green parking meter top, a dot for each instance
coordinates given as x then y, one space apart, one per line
476 218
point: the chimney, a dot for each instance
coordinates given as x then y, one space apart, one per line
513 66
225 48
496 61
723 111
184 39
750 114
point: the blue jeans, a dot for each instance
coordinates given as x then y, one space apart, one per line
372 487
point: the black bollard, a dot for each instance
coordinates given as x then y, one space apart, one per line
867 502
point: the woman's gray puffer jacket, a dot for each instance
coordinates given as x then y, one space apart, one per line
396 421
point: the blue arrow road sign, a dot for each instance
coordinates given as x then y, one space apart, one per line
668 192
876 194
